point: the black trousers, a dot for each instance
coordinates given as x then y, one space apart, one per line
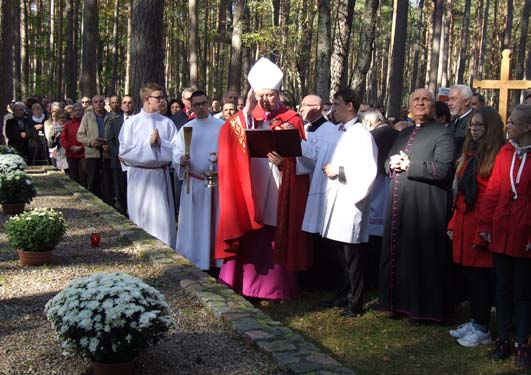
513 296
99 179
354 259
77 170
119 178
480 290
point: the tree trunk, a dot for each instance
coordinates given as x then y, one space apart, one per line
322 65
146 45
52 52
463 48
339 59
522 43
128 53
17 53
368 33
436 44
442 76
6 54
70 53
396 81
235 71
89 54
24 47
483 39
115 47
416 46
508 25
59 81
193 41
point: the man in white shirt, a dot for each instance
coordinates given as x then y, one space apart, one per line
351 172
198 208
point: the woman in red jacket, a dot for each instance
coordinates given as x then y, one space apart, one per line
75 152
505 223
483 140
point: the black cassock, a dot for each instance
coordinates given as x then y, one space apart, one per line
415 254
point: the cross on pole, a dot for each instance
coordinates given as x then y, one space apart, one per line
504 84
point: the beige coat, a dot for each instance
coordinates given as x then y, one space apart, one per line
88 132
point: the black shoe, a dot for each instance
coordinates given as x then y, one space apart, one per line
349 313
334 302
502 349
521 358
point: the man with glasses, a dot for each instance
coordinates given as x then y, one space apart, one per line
85 102
197 211
91 134
147 145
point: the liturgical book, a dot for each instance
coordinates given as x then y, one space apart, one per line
260 142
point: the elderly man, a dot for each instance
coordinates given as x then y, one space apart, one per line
198 204
147 145
262 200
91 134
461 110
186 98
415 252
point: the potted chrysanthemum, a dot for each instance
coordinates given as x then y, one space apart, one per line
109 318
16 189
11 162
35 234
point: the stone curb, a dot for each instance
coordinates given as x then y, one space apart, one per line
289 350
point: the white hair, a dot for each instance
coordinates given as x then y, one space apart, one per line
466 91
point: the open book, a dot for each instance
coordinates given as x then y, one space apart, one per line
260 142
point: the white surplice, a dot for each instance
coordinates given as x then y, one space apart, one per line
149 191
317 151
347 209
195 222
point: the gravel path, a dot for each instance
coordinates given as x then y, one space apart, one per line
28 345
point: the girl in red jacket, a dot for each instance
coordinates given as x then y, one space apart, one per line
483 140
505 223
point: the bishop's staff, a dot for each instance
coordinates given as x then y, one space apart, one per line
187 142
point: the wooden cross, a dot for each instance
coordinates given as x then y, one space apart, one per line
504 84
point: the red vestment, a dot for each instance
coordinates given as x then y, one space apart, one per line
239 214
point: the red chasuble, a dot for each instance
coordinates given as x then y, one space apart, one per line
238 212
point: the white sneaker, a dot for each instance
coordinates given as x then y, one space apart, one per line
475 338
461 331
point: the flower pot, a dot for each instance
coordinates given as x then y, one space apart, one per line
13 208
34 258
120 368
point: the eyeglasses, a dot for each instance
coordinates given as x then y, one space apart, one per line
188 98
159 98
511 122
476 125
308 105
199 104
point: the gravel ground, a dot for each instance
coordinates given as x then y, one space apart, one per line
28 345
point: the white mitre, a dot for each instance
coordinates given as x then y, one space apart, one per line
265 75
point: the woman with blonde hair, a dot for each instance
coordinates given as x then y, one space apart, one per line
483 140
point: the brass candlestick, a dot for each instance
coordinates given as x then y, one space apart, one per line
187 142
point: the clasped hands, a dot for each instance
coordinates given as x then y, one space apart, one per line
154 140
399 162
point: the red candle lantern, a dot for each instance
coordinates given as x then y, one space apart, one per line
95 239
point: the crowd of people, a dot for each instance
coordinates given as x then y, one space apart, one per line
429 209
